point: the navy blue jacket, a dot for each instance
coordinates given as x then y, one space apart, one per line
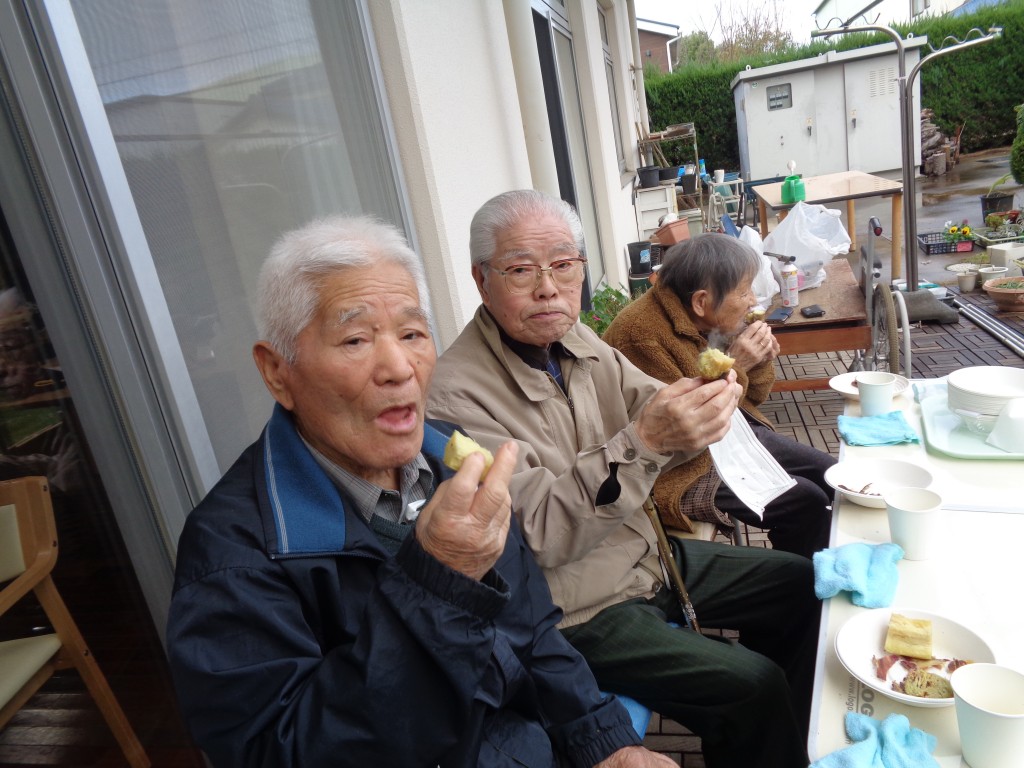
296 640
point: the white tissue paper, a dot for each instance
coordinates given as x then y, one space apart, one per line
1008 433
747 468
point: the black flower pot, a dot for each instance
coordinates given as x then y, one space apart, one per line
996 203
639 257
669 174
649 176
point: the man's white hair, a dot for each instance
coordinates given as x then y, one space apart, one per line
302 259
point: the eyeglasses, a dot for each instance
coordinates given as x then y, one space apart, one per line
525 278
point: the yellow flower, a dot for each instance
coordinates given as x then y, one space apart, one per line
965 231
954 229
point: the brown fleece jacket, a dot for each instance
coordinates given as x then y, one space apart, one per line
659 338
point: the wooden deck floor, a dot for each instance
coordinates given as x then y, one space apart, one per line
61 727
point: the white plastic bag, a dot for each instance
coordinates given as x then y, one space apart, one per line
813 234
765 284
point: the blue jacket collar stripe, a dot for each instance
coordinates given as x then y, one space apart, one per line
308 511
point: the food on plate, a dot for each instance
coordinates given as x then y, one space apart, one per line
927 685
909 637
459 447
863 490
713 364
925 678
757 313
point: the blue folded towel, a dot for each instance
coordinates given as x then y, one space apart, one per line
888 429
868 571
889 744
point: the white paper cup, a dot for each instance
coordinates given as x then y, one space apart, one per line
719 176
967 281
989 704
915 521
875 390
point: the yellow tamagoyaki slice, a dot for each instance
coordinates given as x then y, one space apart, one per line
459 447
909 637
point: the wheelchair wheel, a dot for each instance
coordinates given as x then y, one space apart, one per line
884 354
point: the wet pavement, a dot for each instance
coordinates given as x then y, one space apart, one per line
951 197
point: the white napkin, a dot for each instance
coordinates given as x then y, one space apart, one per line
1008 433
747 468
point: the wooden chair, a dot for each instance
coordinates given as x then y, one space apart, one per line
28 552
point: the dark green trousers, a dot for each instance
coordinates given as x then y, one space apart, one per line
749 702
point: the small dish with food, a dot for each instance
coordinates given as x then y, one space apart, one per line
866 481
861 647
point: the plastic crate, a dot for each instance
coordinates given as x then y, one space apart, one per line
986 238
935 242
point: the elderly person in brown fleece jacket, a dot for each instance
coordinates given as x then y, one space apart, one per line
701 297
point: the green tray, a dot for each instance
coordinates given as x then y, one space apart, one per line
945 432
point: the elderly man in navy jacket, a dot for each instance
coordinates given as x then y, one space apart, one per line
341 598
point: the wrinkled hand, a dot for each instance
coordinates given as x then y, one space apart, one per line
636 757
465 523
689 414
754 346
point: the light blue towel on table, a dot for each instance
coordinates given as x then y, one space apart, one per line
891 743
888 429
867 571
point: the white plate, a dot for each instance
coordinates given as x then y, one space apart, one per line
863 636
844 384
882 474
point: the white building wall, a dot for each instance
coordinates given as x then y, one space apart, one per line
451 85
612 190
459 131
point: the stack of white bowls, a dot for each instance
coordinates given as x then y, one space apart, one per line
978 394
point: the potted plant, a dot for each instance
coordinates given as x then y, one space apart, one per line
993 200
606 303
1017 150
1006 292
954 238
1000 228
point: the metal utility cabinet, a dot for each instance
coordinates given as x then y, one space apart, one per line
834 112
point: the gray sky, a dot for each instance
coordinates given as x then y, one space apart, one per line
689 17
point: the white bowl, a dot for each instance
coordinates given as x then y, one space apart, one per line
987 273
984 389
863 636
846 385
988 381
882 475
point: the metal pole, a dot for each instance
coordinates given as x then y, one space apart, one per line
906 104
910 181
906 138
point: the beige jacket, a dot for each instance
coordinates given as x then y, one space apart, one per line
593 556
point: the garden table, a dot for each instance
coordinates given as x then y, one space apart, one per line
975 582
845 186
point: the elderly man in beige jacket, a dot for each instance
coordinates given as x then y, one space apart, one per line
594 433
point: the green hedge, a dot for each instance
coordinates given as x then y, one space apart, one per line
977 87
